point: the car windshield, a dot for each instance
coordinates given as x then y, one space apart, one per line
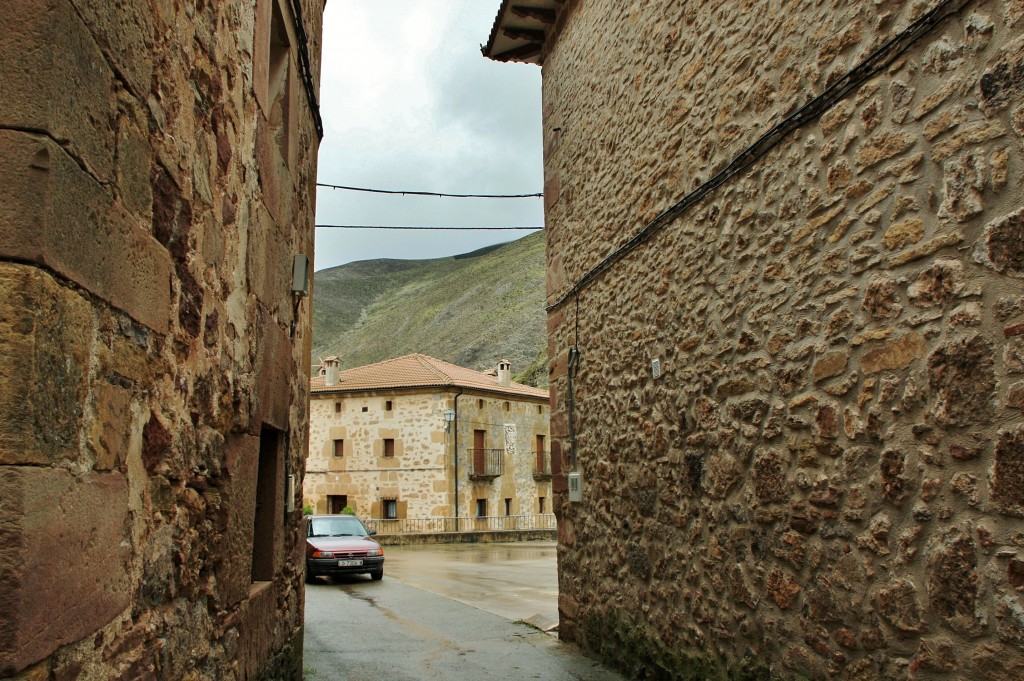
336 527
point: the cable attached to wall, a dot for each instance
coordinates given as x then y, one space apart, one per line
304 66
871 66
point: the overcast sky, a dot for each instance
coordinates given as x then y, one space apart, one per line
409 103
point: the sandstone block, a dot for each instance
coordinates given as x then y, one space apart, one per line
1002 245
1003 81
1008 472
48 517
45 345
895 354
953 581
898 604
67 92
54 214
829 365
903 233
881 146
961 374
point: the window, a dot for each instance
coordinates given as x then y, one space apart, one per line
481 508
540 409
279 84
389 509
336 503
541 503
366 409
387 405
508 406
508 507
479 404
389 446
337 407
339 448
268 503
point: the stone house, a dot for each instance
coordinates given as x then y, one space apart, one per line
417 438
786 328
156 221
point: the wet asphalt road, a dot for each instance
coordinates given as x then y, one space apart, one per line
447 612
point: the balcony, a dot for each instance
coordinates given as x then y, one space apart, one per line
541 466
485 464
543 521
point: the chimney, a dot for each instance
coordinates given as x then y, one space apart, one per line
332 366
505 373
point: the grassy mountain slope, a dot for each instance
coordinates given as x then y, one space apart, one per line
472 309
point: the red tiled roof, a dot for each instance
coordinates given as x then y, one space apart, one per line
419 371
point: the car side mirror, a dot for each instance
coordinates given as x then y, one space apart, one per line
372 532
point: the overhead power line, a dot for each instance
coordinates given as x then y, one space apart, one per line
407 192
425 228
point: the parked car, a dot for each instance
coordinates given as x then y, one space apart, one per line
341 545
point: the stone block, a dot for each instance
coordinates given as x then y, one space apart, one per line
961 374
124 34
953 581
271 259
55 214
1002 246
65 92
233 567
898 353
274 367
63 535
44 366
1008 472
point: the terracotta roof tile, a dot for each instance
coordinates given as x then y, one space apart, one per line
419 371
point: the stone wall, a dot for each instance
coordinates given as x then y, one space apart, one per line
826 479
157 175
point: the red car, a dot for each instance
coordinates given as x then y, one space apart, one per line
341 545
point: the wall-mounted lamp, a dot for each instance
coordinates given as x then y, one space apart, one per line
300 286
449 418
300 275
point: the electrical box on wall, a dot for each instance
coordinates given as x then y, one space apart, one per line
575 487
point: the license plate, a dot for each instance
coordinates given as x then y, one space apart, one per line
349 563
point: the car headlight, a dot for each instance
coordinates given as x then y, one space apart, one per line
375 552
323 554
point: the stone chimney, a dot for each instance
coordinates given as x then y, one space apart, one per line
505 373
332 366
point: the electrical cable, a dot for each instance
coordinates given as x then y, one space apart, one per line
425 228
872 65
307 71
407 192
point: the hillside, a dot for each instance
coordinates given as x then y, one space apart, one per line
471 309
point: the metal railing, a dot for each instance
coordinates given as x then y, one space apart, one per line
485 463
507 523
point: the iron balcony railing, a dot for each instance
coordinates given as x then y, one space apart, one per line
507 523
541 465
485 463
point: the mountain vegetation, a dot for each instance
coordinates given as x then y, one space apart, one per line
471 310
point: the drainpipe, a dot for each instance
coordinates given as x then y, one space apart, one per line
455 428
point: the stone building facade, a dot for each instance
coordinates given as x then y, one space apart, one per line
786 323
156 181
380 444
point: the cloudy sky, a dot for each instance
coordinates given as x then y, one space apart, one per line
409 103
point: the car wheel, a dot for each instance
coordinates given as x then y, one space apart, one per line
310 577
377 575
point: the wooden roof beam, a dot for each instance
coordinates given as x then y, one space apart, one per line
546 16
522 52
531 34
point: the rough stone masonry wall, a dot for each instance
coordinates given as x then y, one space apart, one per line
147 226
827 481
